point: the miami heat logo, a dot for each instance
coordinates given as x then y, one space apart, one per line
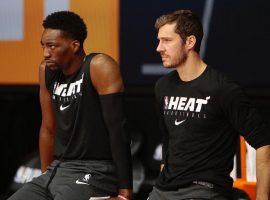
166 102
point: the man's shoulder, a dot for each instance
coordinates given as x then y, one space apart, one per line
105 74
100 59
215 73
222 79
103 63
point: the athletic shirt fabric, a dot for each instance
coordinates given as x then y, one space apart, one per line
201 121
81 133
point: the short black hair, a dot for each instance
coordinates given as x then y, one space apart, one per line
69 22
187 23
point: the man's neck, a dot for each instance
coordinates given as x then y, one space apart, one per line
192 68
75 64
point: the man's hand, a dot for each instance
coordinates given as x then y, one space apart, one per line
161 167
124 194
119 198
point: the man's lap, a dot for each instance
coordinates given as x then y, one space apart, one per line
193 191
71 181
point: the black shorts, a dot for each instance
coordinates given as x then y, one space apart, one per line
75 179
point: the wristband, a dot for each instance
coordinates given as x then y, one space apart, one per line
122 197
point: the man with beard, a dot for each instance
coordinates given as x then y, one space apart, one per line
84 149
202 113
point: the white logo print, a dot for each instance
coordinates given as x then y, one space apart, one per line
99 198
180 122
84 180
67 90
79 182
64 107
185 104
166 102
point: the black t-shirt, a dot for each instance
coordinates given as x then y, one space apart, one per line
81 133
201 121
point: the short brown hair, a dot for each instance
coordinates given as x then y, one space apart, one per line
187 23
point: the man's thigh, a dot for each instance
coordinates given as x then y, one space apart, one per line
34 190
82 181
30 191
157 194
82 192
193 192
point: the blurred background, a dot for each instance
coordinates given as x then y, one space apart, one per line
236 42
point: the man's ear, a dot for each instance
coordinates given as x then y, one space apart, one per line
190 42
76 46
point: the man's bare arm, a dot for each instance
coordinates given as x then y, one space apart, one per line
47 129
107 80
263 173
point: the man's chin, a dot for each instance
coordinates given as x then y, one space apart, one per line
52 66
166 65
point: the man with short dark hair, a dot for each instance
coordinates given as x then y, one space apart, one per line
202 113
84 149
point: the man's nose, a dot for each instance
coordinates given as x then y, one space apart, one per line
160 47
46 53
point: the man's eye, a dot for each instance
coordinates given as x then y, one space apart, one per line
52 46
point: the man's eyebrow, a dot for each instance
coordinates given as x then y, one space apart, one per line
163 37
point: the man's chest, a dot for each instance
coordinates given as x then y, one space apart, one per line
191 110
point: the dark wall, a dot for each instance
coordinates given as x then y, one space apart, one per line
20 120
238 40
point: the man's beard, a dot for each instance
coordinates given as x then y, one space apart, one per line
177 62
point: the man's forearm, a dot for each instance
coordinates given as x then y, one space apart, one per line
263 173
46 146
